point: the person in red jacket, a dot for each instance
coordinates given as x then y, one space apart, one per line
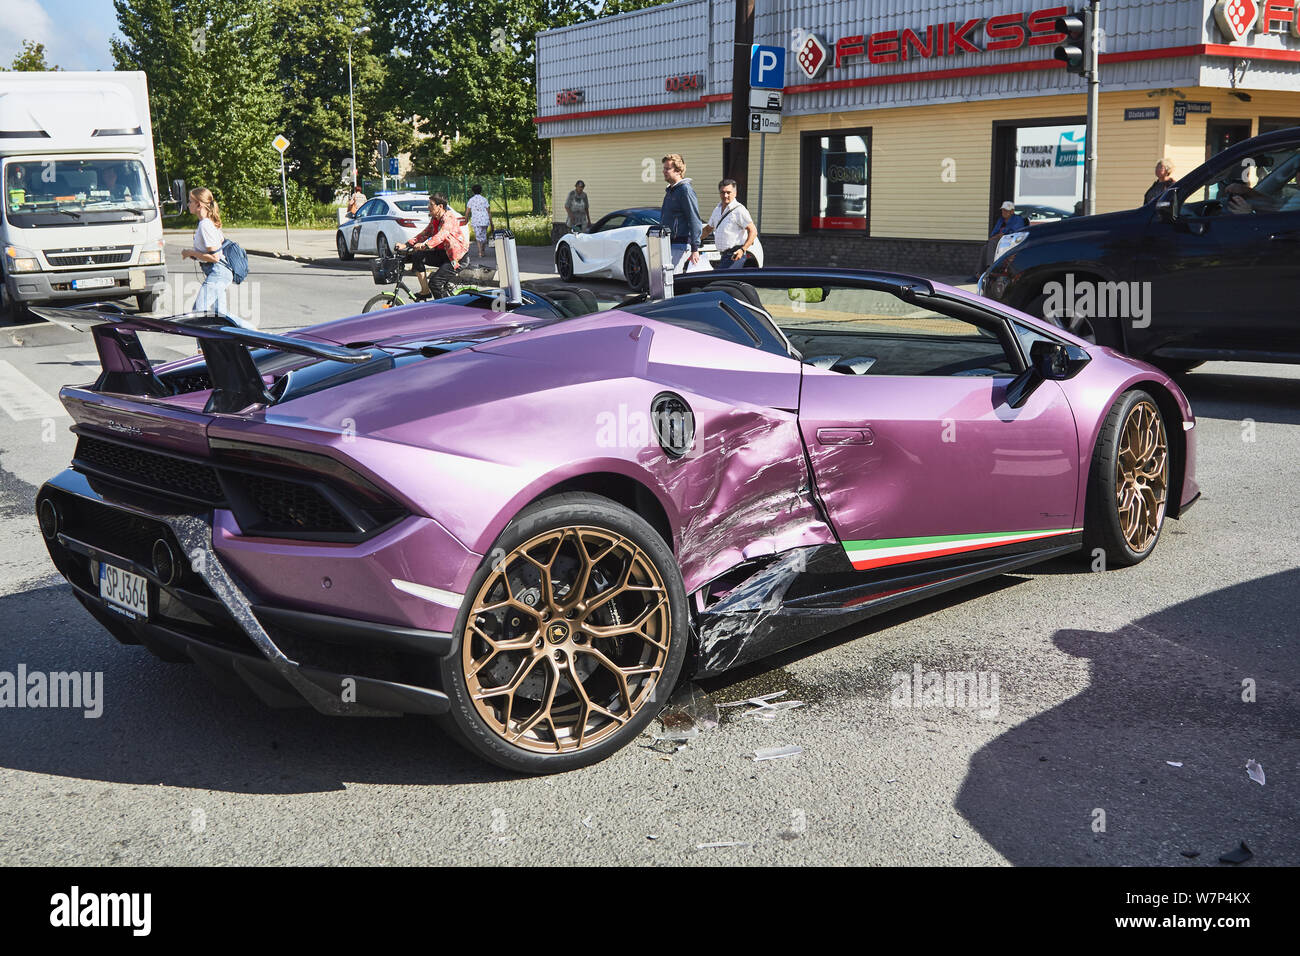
440 242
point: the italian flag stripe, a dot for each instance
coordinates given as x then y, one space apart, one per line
886 551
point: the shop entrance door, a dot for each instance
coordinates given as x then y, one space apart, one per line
1220 134
1038 165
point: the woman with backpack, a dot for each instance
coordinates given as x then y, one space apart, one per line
207 251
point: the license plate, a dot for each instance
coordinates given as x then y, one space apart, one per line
124 590
98 283
136 277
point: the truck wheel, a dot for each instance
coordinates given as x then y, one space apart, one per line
11 312
147 301
1093 329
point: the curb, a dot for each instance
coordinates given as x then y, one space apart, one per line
280 255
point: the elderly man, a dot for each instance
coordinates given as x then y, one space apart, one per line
1164 179
1007 223
733 227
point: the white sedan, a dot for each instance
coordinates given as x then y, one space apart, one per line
383 222
614 247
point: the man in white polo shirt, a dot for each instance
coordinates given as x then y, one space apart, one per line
731 226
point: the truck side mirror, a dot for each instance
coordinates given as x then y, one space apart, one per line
178 190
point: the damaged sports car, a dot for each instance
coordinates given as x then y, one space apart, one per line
532 523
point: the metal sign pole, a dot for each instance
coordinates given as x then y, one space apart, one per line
284 195
762 159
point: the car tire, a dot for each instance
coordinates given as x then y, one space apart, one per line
564 262
342 245
147 301
632 574
1099 331
750 262
382 249
635 270
1128 481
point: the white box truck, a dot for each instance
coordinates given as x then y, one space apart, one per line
81 218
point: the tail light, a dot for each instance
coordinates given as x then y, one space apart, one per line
406 223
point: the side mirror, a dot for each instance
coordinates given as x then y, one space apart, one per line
1168 205
1048 361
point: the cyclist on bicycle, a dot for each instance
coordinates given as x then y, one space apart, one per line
438 243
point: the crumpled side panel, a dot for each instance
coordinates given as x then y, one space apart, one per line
743 491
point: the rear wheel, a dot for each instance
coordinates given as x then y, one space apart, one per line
571 636
1128 485
382 249
342 245
634 268
564 262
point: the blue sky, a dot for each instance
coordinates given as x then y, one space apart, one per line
75 32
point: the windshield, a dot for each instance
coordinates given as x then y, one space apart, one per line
55 191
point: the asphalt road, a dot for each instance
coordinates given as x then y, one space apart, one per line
1104 679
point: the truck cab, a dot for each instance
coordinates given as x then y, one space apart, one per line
79 217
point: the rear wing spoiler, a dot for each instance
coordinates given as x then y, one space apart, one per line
236 382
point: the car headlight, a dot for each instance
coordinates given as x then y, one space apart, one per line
152 254
1007 243
18 259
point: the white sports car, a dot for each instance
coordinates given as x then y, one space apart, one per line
614 247
383 222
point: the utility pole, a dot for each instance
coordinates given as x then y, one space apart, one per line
735 150
1079 53
1094 89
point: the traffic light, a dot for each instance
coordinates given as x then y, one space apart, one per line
1078 35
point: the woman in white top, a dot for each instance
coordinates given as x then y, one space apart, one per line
480 217
207 252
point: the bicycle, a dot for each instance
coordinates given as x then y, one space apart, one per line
392 269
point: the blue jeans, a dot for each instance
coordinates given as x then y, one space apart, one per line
212 294
726 262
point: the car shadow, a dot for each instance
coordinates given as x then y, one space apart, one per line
1230 396
166 724
1089 782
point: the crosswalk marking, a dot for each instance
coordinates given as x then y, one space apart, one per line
23 399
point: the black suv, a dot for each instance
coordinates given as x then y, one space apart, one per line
1209 270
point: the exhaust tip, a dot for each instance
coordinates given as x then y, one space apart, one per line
48 516
164 562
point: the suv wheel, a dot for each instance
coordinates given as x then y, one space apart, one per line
1099 331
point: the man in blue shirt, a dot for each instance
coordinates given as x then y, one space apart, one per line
1006 224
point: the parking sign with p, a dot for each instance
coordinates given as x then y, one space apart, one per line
766 67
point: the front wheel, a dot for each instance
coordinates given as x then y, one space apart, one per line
564 262
571 636
634 268
1097 330
147 301
1128 485
389 300
341 245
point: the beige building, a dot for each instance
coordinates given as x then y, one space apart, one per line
891 158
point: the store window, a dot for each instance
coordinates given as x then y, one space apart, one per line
1038 165
835 172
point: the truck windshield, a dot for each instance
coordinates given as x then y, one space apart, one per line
58 191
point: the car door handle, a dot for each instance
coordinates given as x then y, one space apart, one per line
845 436
1292 235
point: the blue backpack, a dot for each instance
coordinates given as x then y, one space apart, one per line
236 258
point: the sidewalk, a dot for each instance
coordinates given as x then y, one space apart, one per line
317 245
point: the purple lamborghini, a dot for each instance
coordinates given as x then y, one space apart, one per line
532 523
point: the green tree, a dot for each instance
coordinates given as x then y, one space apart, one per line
312 78
212 90
466 66
32 58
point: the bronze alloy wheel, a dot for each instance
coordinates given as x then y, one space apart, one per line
1142 475
567 639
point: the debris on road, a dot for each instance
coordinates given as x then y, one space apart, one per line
1190 854
776 753
1239 855
1174 763
1255 772
719 844
755 700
